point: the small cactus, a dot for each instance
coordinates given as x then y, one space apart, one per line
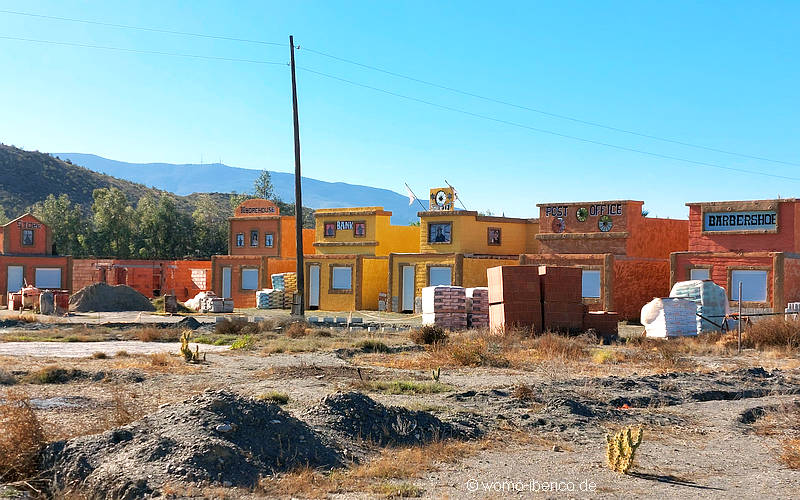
435 373
621 449
186 350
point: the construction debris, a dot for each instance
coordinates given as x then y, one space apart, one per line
99 297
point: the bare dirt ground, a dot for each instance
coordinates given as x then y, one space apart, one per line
533 413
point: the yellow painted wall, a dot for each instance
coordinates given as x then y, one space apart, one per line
373 281
470 234
474 270
420 263
335 301
382 238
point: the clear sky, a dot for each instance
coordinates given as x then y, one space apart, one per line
719 74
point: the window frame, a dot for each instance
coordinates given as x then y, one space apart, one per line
355 229
325 226
239 240
430 227
735 289
599 273
242 272
331 272
430 267
42 286
22 237
499 236
272 243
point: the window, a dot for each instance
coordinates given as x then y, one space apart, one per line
700 274
754 285
494 236
341 278
253 238
269 240
249 279
360 229
440 276
440 232
27 237
239 239
330 230
590 283
48 277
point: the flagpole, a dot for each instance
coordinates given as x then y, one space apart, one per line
455 193
424 208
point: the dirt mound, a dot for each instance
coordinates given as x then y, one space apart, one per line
189 322
352 416
216 437
99 297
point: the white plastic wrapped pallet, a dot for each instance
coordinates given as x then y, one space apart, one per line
670 317
711 301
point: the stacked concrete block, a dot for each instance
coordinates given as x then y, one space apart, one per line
477 307
286 282
605 323
444 306
514 298
562 303
269 298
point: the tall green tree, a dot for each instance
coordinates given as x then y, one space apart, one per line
3 218
210 228
66 222
113 220
263 188
163 232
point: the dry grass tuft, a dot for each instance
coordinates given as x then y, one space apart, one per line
21 438
155 334
25 317
428 334
523 392
777 332
553 346
296 330
99 355
53 374
791 453
7 378
239 326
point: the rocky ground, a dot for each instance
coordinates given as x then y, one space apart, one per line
366 407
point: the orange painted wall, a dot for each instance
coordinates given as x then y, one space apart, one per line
637 282
720 263
262 225
29 265
791 279
12 237
657 238
187 278
787 239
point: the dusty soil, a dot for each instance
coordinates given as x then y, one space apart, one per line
699 422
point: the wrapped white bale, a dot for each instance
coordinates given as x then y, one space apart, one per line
195 303
671 317
710 298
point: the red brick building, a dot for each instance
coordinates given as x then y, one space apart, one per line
261 242
26 258
624 256
756 243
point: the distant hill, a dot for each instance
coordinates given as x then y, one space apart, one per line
194 178
27 177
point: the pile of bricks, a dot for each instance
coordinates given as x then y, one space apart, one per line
562 301
514 298
603 322
286 282
444 306
269 298
477 307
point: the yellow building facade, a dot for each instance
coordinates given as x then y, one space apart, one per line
456 248
349 271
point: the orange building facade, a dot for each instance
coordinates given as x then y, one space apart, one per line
26 258
624 255
755 243
261 242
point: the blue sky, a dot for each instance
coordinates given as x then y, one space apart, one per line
718 74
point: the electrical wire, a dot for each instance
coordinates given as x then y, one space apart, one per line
545 131
413 79
141 28
546 113
141 51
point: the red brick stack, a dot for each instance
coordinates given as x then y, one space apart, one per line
562 301
514 298
603 322
444 306
478 307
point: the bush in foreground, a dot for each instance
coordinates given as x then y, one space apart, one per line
21 438
428 334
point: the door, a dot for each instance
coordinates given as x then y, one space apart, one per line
408 289
14 278
313 286
226 282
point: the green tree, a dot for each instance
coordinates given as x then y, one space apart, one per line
163 231
263 188
237 199
67 223
210 228
113 221
3 218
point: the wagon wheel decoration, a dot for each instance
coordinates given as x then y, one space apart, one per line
582 214
559 225
605 223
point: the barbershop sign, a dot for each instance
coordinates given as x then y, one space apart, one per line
766 220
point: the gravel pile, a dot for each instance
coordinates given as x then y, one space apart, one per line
99 297
216 437
352 416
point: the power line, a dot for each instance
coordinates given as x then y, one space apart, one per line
140 28
546 113
545 131
141 51
413 79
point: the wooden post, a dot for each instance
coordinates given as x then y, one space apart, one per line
298 199
740 319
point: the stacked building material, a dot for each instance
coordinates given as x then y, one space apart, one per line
562 301
212 304
477 307
711 300
514 298
269 298
287 282
227 305
603 322
670 317
444 306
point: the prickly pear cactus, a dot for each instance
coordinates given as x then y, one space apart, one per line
621 449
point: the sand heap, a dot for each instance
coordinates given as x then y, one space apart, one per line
99 297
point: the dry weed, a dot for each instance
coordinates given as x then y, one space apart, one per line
791 453
155 334
21 438
773 332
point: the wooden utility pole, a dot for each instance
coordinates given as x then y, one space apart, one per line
298 199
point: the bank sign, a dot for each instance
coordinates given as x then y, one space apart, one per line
741 221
